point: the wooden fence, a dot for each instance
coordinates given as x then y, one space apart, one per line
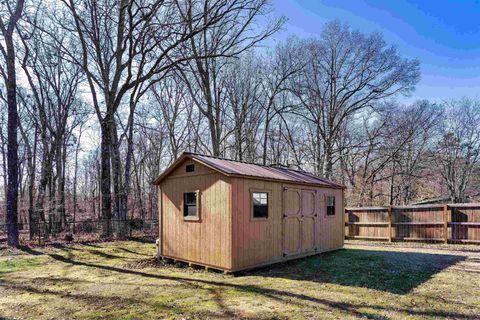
451 223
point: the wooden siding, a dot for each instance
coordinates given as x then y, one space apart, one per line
447 223
330 227
200 169
206 241
227 237
261 242
255 241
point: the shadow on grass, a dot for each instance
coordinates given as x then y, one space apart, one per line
302 300
134 252
141 239
389 271
29 250
68 248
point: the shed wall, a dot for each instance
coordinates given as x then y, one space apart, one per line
255 241
330 228
258 242
207 241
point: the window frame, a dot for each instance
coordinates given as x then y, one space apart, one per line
268 192
334 206
197 204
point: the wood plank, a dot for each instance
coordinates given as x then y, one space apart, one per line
389 224
367 237
367 223
418 239
416 223
473 224
465 241
445 221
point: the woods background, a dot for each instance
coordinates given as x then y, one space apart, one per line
98 97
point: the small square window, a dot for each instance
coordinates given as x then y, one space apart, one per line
190 204
260 204
189 168
330 206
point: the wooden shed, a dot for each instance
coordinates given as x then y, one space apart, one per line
233 215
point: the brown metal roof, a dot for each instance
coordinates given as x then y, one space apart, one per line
251 170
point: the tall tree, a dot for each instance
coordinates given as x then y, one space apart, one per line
347 71
12 11
212 51
458 148
122 47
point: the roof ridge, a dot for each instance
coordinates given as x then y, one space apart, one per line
257 164
269 172
241 161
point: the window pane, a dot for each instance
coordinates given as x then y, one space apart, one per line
190 198
260 211
331 201
330 211
260 198
260 204
191 211
190 204
330 206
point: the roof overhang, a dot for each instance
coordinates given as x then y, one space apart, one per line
187 155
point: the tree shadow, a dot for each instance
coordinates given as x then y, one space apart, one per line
141 239
90 244
30 250
287 297
134 252
389 271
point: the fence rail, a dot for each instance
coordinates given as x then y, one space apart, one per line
449 223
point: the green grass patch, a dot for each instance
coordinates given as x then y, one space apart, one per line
395 272
120 281
18 264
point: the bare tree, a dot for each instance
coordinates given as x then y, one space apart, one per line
458 148
277 75
243 87
205 77
57 108
122 47
12 11
174 110
347 71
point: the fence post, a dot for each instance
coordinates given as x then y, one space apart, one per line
445 223
39 235
389 223
346 231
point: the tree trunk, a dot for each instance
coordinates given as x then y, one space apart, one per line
60 189
75 178
265 137
4 161
12 146
238 143
105 175
116 170
31 161
128 164
328 159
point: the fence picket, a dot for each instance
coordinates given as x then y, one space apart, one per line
449 223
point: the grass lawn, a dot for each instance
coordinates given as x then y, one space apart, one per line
121 281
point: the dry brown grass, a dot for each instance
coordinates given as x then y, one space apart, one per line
121 281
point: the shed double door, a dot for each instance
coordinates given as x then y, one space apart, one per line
299 221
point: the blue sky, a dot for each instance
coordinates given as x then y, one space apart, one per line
443 35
